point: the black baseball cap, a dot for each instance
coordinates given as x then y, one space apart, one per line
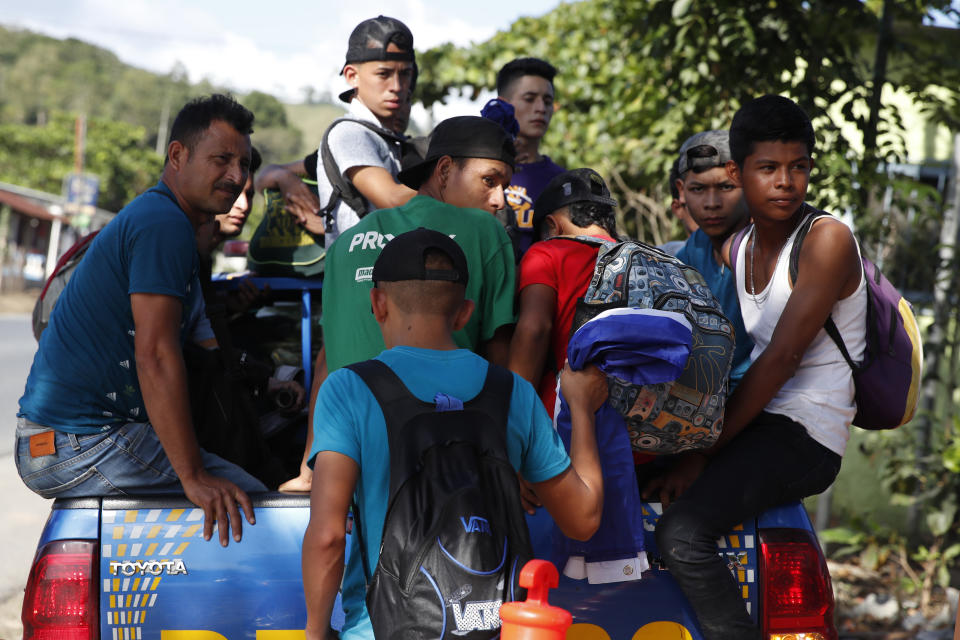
461 137
369 41
576 185
403 258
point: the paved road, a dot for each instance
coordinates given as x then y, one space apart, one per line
24 512
17 347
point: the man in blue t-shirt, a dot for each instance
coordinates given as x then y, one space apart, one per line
418 301
106 409
716 204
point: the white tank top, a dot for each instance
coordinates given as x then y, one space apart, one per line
820 394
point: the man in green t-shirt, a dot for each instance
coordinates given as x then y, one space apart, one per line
460 186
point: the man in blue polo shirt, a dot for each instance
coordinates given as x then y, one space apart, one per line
106 410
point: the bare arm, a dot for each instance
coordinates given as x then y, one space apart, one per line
298 198
575 497
497 348
829 270
163 382
334 478
303 481
379 187
531 338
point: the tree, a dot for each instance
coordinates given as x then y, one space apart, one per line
129 111
42 156
636 78
269 111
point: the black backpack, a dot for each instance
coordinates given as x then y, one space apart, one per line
455 537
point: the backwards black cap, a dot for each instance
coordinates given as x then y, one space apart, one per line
403 258
461 137
369 41
576 185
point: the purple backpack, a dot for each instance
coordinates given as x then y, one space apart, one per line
887 381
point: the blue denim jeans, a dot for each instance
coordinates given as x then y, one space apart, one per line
771 462
125 460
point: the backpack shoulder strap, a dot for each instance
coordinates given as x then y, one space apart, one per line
829 325
343 189
397 402
494 397
735 245
398 406
589 240
74 253
831 328
805 225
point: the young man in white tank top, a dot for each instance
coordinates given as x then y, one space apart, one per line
786 425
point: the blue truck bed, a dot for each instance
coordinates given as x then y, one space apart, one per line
156 577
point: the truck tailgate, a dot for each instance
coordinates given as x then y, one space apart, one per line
159 576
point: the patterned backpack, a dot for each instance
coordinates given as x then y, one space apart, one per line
686 413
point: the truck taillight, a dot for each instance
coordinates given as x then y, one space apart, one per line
61 595
797 597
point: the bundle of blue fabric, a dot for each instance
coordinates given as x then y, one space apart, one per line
641 346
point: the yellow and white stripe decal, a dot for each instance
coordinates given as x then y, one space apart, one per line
141 534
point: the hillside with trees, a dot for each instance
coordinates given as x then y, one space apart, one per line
45 83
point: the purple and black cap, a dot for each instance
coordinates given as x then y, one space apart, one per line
403 258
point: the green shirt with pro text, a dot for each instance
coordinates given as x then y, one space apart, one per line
351 333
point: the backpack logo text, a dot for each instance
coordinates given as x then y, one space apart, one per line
476 525
477 616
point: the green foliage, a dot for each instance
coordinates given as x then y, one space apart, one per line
42 80
277 144
942 560
268 110
42 156
871 544
312 119
931 485
638 77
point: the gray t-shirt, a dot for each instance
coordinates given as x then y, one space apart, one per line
353 145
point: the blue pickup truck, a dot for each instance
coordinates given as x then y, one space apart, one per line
132 569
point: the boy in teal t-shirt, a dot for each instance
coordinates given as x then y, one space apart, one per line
716 204
418 302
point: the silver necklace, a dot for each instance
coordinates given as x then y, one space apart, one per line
760 299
